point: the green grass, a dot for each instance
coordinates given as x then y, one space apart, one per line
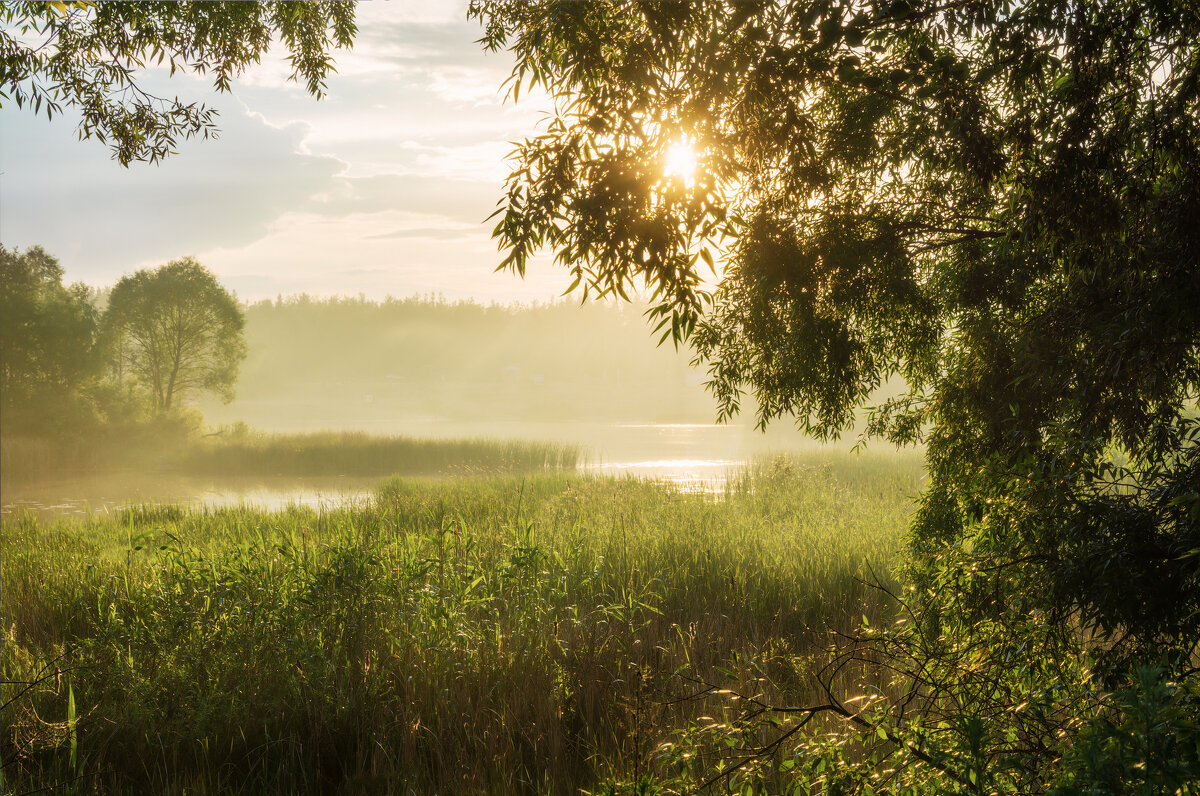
484 635
250 455
360 454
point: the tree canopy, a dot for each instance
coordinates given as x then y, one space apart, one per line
177 331
47 330
88 56
995 203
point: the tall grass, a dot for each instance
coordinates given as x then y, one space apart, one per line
252 455
362 454
25 459
499 635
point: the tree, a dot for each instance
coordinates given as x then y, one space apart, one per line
995 202
87 55
47 337
177 331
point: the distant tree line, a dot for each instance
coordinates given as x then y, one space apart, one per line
68 367
77 358
302 338
461 360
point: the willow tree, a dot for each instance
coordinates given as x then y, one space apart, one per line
90 56
176 331
995 203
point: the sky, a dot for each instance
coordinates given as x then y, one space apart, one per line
381 188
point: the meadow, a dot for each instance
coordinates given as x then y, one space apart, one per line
538 633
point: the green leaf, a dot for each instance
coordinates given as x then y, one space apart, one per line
71 724
830 31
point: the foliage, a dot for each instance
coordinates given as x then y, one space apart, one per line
48 338
467 635
58 412
995 202
1148 743
87 55
177 331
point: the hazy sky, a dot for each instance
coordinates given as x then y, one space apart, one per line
380 188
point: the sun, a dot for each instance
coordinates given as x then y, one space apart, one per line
680 161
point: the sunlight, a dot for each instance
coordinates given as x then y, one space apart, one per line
680 161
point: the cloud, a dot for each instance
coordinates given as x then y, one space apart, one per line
390 35
365 271
101 219
348 254
463 202
445 120
382 187
470 85
436 233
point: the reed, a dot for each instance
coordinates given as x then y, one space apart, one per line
361 454
251 455
504 634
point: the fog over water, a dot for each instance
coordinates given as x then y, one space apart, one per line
586 374
695 458
589 376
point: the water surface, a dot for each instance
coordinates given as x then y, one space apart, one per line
693 457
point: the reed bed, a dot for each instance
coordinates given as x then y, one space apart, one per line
253 455
348 453
488 635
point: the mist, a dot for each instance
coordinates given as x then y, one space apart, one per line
334 393
588 374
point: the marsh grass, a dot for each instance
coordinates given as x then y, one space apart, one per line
27 458
486 635
360 454
253 455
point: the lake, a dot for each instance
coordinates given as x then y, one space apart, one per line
695 457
